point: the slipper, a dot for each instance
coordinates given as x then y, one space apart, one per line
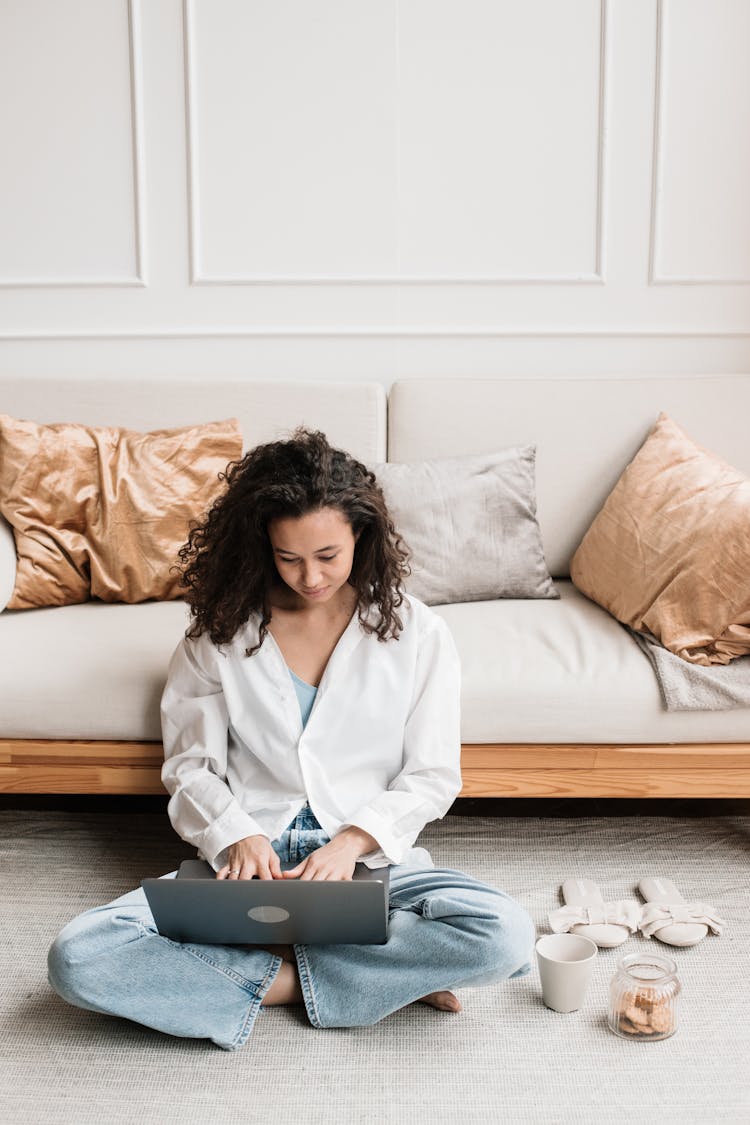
668 917
586 913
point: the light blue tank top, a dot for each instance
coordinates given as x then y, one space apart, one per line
305 694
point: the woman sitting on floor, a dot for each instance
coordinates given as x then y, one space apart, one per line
311 714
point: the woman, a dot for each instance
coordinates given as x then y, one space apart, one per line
311 714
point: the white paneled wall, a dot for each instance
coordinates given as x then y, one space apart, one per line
374 189
71 194
701 231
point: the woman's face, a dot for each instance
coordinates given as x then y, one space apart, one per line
313 553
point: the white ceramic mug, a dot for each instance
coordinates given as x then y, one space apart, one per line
565 964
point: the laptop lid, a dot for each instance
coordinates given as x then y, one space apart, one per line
197 907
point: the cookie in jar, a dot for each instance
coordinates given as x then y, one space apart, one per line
643 997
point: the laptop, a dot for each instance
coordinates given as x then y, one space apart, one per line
198 907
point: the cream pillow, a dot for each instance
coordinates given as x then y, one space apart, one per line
7 563
470 525
102 512
670 550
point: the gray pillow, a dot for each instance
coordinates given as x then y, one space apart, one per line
470 525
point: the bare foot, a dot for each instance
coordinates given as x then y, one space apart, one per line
285 988
444 1000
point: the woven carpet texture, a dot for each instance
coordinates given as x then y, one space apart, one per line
504 1058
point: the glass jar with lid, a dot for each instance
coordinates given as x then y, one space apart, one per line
643 997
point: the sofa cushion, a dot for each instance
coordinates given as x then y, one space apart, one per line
7 562
351 414
670 550
93 670
585 431
565 672
101 511
532 671
470 525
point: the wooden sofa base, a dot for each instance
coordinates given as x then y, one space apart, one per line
680 770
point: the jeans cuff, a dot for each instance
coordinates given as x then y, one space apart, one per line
256 997
306 984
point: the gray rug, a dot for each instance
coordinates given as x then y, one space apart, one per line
504 1058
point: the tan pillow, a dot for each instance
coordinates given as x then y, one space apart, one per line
102 512
670 550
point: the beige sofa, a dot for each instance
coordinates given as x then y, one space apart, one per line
557 698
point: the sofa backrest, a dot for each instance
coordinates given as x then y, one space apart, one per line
586 431
352 415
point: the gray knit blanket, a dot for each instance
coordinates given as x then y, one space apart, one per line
693 687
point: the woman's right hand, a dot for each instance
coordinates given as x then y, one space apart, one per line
251 856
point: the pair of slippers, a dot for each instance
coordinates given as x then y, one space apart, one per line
666 915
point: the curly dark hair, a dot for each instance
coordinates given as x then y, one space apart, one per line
227 563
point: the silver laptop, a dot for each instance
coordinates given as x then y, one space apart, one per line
198 907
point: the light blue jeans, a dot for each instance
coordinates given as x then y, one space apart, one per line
446 930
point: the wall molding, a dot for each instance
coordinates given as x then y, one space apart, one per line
199 277
188 63
137 280
655 275
414 331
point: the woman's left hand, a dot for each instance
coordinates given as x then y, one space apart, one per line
336 859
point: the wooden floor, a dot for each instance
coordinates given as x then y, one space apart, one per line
692 770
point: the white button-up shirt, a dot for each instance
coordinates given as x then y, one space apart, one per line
381 748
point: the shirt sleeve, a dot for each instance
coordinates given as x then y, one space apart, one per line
430 779
195 726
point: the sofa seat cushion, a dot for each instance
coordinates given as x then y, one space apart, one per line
533 671
566 672
93 670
